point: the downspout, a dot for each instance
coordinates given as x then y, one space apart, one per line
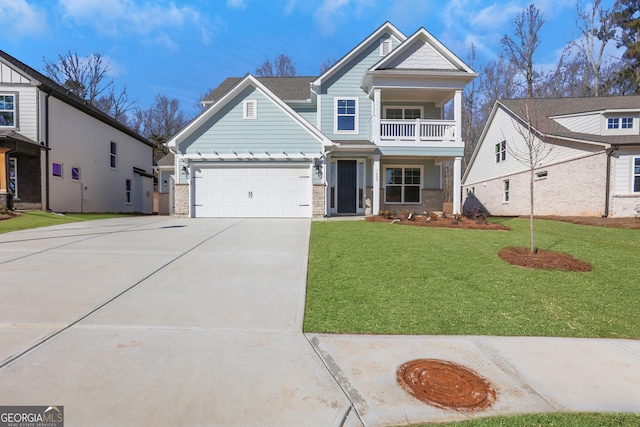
46 151
607 190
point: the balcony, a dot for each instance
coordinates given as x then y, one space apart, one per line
417 131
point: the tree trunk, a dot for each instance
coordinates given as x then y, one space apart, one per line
533 240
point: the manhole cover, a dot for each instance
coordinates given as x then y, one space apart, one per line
446 385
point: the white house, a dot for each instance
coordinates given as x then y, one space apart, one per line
590 163
58 153
367 135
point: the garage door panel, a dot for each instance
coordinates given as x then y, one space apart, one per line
253 192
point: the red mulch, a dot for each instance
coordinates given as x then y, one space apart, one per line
8 215
543 259
632 223
449 222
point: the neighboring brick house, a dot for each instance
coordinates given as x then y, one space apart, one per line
58 153
590 164
369 134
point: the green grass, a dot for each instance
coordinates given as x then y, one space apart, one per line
377 278
554 420
37 219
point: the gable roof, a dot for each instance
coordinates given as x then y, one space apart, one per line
48 85
247 81
286 88
448 61
387 27
542 112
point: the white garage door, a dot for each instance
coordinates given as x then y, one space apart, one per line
252 191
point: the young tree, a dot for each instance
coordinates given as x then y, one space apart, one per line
282 66
520 50
88 79
533 151
626 17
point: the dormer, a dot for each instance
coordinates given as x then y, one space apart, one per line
624 122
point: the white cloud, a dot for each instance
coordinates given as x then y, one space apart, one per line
154 21
330 13
237 4
22 18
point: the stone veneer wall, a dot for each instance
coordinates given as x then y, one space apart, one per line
432 200
319 202
163 204
181 200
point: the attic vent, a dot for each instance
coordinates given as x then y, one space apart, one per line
250 109
385 47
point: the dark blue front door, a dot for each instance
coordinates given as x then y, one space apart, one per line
347 186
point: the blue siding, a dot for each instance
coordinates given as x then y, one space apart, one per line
346 83
273 131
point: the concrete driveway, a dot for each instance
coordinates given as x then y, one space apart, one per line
158 321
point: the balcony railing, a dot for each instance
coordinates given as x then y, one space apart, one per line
427 130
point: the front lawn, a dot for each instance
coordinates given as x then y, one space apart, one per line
379 278
35 219
555 420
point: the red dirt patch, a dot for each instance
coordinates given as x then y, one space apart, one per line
8 215
632 223
542 259
448 222
445 385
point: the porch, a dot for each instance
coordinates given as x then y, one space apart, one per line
417 130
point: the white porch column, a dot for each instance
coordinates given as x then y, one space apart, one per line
375 120
457 115
457 189
376 185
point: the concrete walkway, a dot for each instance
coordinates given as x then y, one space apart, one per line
159 321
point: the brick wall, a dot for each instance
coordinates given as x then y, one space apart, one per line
432 200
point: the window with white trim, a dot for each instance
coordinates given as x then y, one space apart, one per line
75 173
402 184
113 157
346 115
127 186
403 113
501 151
250 109
13 176
505 191
385 47
56 169
636 175
7 111
626 122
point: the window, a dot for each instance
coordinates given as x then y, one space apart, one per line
385 47
75 173
127 184
114 154
636 175
406 113
250 109
402 184
56 170
13 176
346 115
541 175
505 191
501 151
7 111
613 123
626 122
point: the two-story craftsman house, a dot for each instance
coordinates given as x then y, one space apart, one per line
367 135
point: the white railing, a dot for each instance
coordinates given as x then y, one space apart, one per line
428 130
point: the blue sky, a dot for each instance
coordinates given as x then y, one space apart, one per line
181 48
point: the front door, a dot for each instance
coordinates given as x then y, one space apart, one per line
347 185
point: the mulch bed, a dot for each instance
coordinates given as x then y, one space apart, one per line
448 222
543 259
8 215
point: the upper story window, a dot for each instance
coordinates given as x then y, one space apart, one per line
385 47
620 123
501 151
250 109
7 110
113 158
346 118
400 113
